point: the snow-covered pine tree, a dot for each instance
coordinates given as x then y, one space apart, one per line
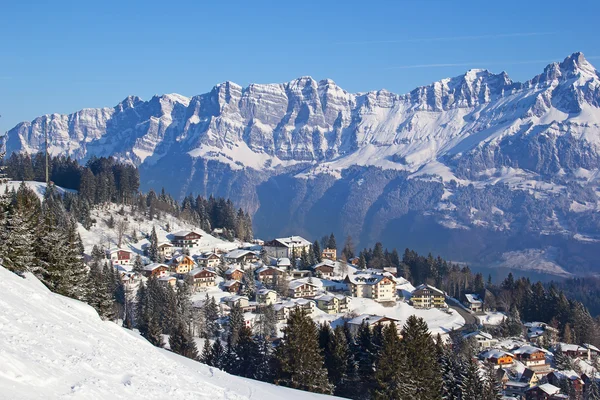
592 389
137 264
247 355
266 323
340 364
206 357
299 361
392 379
211 315
153 249
98 295
492 388
182 342
249 284
76 273
16 242
218 354
471 386
236 323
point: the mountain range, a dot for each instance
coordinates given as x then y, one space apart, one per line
477 168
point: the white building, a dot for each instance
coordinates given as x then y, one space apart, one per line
379 287
287 247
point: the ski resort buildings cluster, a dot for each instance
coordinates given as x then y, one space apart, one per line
524 366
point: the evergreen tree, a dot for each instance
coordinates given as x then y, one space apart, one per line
316 248
182 342
210 312
206 357
592 390
471 386
339 368
391 376
362 262
99 295
137 264
348 250
236 323
331 244
420 350
218 354
247 352
249 284
153 248
492 388
299 361
266 323
16 241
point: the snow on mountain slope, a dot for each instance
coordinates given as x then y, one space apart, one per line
39 188
54 347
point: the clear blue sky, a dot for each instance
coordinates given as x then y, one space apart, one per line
63 56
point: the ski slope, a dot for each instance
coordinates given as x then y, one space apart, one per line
54 347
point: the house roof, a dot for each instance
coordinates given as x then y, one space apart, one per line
290 241
263 292
571 347
370 319
473 298
163 244
495 353
478 333
167 278
153 266
367 279
283 262
231 283
548 389
234 298
426 286
115 249
527 350
266 268
329 297
591 347
298 283
235 254
200 269
231 270
183 233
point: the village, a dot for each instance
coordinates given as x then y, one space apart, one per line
531 365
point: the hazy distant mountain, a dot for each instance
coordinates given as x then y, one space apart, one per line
476 167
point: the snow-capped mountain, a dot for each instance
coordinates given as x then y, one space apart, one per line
531 150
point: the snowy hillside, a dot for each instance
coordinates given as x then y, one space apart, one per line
57 348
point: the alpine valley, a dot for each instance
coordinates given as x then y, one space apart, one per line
476 168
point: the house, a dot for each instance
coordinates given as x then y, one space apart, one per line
542 392
241 256
354 261
483 339
119 256
497 357
298 289
168 280
427 296
515 388
299 273
556 377
283 310
379 287
157 270
232 286
332 303
203 277
324 269
289 247
530 356
266 296
283 263
502 376
572 350
231 301
182 264
330 254
529 377
234 273
370 320
209 260
593 351
268 275
305 304
541 333
186 239
473 302
165 250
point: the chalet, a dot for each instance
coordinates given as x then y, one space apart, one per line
324 269
354 260
231 301
168 280
203 277
473 302
543 392
541 333
529 377
287 247
165 250
515 389
530 356
186 239
266 296
330 254
427 296
378 287
298 289
483 339
370 320
497 357
502 376
283 310
593 351
572 350
209 260
118 256
269 274
232 286
332 303
241 256
157 270
182 264
234 273
300 273
556 377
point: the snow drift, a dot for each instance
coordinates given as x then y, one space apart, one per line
54 347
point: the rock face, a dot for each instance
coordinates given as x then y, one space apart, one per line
323 159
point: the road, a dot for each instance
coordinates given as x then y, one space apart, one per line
469 318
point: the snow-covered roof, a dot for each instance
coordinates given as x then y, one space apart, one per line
231 282
369 319
184 233
527 349
478 333
591 347
200 269
473 298
432 288
163 244
231 270
235 254
495 353
292 241
324 263
167 278
571 347
153 266
283 262
298 283
115 249
234 298
264 292
366 279
549 389
266 268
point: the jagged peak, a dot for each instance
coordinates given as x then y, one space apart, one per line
576 63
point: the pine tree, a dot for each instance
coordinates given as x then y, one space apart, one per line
247 352
236 323
340 366
316 248
266 323
16 242
299 361
391 376
218 354
153 248
206 357
249 284
182 342
99 296
420 350
471 386
492 388
331 244
211 315
362 262
137 264
592 391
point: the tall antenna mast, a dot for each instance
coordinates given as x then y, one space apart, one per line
46 140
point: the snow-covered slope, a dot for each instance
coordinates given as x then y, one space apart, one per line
54 347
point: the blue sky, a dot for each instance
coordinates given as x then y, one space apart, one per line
63 56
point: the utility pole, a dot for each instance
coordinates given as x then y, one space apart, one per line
46 140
